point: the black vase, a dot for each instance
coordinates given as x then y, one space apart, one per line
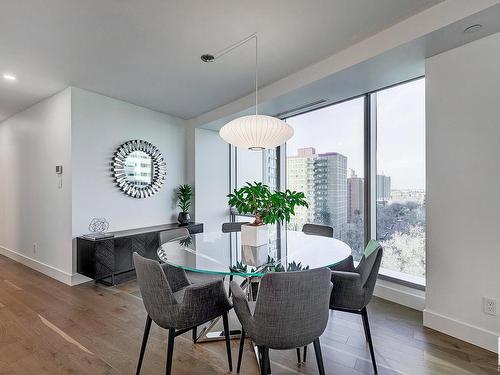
184 218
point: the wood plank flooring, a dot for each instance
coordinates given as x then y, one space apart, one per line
49 328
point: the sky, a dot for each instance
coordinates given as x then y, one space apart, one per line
400 133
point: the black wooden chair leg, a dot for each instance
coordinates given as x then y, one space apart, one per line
298 356
170 350
319 357
144 343
195 334
230 279
366 325
305 354
240 352
264 361
227 335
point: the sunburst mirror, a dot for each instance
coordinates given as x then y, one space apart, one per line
139 168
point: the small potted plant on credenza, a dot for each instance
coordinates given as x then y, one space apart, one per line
184 194
267 207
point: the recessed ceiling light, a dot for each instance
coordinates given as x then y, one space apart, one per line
473 29
9 77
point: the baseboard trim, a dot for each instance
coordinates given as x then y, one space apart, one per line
401 294
46 269
77 278
467 332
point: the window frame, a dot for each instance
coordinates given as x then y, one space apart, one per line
370 170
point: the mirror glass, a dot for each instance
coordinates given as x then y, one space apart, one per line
139 168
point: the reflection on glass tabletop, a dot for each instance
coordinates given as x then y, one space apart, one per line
222 253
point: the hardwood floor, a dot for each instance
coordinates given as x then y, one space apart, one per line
49 328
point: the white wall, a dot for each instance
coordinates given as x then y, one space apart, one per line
212 179
99 125
79 130
33 209
463 179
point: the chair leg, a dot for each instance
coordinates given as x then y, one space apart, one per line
319 357
230 279
240 352
195 334
170 350
305 354
227 334
366 325
298 356
144 343
264 360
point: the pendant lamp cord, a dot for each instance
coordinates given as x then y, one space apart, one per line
256 76
236 45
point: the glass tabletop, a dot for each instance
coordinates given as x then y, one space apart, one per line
222 253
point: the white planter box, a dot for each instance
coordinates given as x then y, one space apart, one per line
252 235
254 256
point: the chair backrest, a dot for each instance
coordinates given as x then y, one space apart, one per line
318 230
292 308
173 234
157 295
369 266
232 227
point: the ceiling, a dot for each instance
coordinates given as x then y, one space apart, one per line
394 66
147 52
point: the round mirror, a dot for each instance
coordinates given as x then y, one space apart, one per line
139 168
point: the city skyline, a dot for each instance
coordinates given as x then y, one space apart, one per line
340 127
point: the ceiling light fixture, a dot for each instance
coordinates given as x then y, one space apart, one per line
473 29
254 132
9 77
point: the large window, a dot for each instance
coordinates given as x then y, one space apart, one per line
380 134
400 181
325 160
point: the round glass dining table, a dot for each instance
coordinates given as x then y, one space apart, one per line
223 254
218 253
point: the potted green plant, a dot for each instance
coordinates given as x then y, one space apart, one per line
268 207
184 195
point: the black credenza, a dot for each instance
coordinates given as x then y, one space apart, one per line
109 260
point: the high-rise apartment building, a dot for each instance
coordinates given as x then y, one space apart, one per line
355 196
323 180
270 168
300 177
383 188
330 191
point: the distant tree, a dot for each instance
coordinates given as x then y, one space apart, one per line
354 236
405 252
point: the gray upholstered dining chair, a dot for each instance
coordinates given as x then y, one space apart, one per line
232 227
318 230
291 311
353 287
315 230
175 304
193 277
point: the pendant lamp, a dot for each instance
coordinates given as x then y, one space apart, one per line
254 132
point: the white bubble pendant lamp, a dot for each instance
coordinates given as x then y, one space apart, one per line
254 132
